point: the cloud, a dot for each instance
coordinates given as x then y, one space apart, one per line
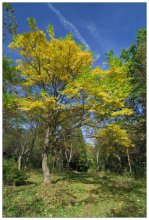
93 30
100 36
69 26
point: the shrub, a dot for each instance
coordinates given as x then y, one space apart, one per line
11 175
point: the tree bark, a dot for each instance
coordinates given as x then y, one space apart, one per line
129 161
45 166
19 162
97 161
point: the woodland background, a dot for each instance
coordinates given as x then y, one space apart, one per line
50 95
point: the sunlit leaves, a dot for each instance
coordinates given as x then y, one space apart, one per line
49 64
32 23
50 31
63 72
113 137
106 90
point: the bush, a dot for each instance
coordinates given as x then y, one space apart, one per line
11 175
84 163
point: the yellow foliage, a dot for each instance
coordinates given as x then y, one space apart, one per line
114 135
124 111
53 63
61 68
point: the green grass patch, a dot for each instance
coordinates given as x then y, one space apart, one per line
76 195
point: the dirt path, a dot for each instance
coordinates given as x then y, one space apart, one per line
90 201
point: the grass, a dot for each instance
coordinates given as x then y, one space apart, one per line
77 195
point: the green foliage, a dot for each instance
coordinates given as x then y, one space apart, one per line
110 55
11 79
9 20
32 23
8 70
139 166
11 175
136 55
136 124
50 30
8 101
11 76
141 36
84 162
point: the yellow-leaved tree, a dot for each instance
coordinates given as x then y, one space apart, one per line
48 66
60 83
106 93
113 139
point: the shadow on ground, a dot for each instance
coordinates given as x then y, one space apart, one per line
128 192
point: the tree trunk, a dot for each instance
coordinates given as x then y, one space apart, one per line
129 161
53 165
45 167
19 162
97 161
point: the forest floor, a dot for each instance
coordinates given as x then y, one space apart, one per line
76 195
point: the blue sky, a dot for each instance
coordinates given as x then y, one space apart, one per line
102 26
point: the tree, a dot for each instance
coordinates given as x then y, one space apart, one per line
48 67
61 84
136 56
99 156
104 91
9 20
15 131
10 81
116 143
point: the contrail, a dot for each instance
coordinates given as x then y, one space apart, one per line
69 26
